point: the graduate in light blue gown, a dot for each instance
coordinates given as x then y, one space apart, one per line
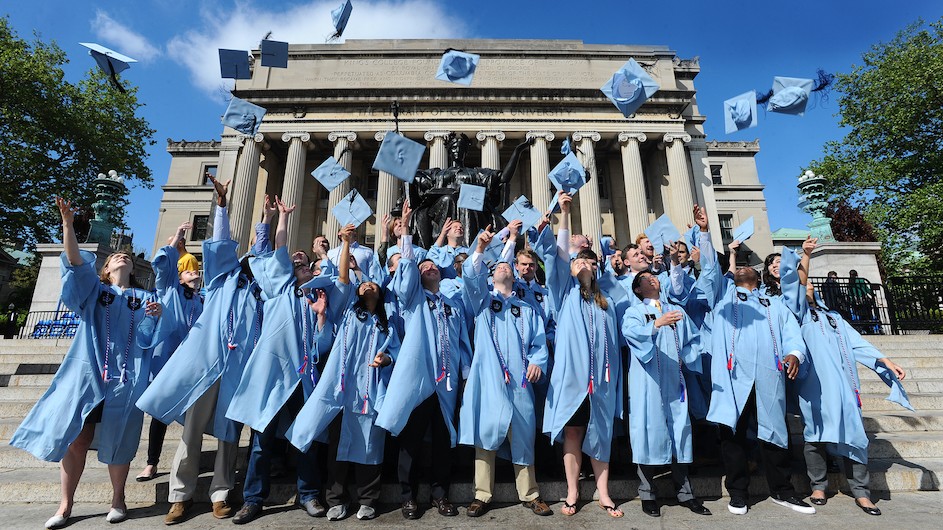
771 284
585 394
828 385
105 370
283 368
447 247
343 406
497 416
385 251
423 390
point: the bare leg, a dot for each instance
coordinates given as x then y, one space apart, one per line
572 458
72 466
119 477
601 470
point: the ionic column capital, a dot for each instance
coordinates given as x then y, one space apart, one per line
380 135
257 138
337 135
305 137
578 136
670 137
626 137
546 135
483 135
432 135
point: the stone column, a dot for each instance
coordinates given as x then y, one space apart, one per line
539 168
242 198
386 197
680 192
293 186
438 155
636 205
342 141
490 148
590 216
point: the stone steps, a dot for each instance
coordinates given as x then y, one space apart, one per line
15 458
920 402
174 431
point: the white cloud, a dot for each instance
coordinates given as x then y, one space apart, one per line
124 39
243 25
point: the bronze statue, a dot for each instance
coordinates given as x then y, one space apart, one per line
434 194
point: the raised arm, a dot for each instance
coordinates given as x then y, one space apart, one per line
262 230
281 233
343 257
69 240
221 218
805 263
563 235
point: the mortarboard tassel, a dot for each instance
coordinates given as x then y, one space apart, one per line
590 386
729 363
304 364
448 382
507 376
858 397
607 372
364 409
682 393
779 364
105 374
763 97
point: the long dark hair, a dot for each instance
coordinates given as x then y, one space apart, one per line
379 311
592 292
771 282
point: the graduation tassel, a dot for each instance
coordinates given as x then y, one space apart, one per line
441 377
858 397
590 385
682 393
729 363
105 374
304 364
524 379
607 372
448 382
779 364
364 409
507 376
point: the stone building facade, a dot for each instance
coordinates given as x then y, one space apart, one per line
335 100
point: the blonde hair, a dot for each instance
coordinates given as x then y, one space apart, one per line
105 276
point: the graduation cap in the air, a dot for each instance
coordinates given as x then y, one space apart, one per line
457 67
399 156
661 233
567 176
274 53
566 149
471 197
243 116
352 209
110 61
744 231
320 282
339 17
330 173
234 64
740 112
523 210
629 87
790 95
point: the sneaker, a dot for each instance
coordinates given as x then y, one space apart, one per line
737 506
794 504
314 507
336 513
365 513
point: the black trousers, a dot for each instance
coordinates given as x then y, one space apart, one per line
735 449
366 476
428 415
155 441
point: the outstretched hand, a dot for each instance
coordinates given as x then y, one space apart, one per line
268 210
347 233
484 239
222 188
66 210
284 208
565 200
669 319
809 245
700 217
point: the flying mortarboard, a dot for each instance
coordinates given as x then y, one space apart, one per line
523 210
243 116
110 61
790 95
471 197
457 67
399 156
566 149
629 87
322 281
567 176
661 233
744 231
330 173
274 53
352 209
339 17
740 112
234 64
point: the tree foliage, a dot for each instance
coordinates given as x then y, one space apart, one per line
56 136
890 164
849 224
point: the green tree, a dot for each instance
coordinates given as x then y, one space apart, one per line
890 164
56 136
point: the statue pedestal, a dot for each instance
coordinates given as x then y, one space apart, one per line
842 257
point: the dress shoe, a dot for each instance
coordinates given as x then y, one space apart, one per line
445 507
116 515
651 508
696 506
314 507
477 508
870 510
57 521
539 507
247 513
411 509
178 511
222 510
818 502
148 474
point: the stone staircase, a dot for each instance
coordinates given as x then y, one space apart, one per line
906 452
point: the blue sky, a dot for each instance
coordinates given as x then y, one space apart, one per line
741 47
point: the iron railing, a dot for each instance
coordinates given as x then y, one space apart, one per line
865 305
49 325
918 303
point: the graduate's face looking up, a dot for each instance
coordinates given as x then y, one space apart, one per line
583 268
115 265
683 255
456 230
578 242
773 267
316 268
393 262
190 278
429 274
368 291
397 227
645 245
747 277
320 245
303 272
503 273
615 261
526 267
648 286
299 256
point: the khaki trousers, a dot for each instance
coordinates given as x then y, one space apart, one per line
524 477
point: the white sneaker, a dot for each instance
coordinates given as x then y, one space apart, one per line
116 515
336 513
57 521
737 506
365 513
794 504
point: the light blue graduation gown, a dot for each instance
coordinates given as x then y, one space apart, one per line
444 258
828 384
490 405
660 428
420 369
182 305
290 343
215 349
108 322
352 388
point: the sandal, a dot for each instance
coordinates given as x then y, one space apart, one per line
611 510
568 506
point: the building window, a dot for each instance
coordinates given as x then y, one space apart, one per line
726 228
602 172
200 223
208 171
716 177
369 187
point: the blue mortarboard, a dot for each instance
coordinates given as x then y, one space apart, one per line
330 173
744 231
605 244
322 282
339 17
457 67
568 176
234 64
566 149
629 87
661 232
740 112
523 209
399 156
790 95
471 197
352 209
243 116
110 61
274 53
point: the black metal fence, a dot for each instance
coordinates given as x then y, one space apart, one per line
917 303
865 305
